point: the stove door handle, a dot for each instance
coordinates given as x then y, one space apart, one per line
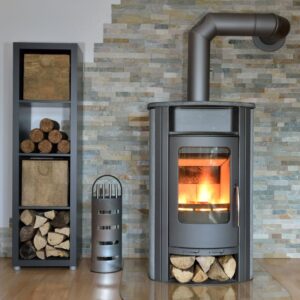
237 198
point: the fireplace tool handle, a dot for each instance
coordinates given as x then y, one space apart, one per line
237 197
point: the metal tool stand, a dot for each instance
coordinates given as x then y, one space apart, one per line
106 224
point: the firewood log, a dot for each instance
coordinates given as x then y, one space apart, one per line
182 262
205 262
216 272
50 214
39 221
199 275
51 251
183 293
65 231
55 136
27 217
63 146
54 238
229 265
44 229
27 250
36 135
183 276
46 125
62 219
39 241
45 146
41 254
64 245
27 233
27 146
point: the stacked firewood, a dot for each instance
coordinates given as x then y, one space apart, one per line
46 139
44 234
201 268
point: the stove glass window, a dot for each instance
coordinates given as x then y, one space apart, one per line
204 185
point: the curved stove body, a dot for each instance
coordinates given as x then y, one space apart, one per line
200 183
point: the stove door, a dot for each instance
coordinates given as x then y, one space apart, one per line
203 185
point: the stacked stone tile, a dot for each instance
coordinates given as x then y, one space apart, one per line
5 242
144 59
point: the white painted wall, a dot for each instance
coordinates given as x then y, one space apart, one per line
40 21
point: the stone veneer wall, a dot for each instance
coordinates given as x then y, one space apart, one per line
5 242
143 59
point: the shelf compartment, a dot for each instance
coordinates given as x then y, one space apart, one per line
44 182
50 229
31 115
27 115
45 75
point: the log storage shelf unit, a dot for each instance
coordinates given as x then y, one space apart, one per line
47 84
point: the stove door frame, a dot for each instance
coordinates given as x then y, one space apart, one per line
224 235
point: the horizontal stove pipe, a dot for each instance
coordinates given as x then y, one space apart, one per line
269 32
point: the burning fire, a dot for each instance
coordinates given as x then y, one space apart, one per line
205 193
202 188
199 193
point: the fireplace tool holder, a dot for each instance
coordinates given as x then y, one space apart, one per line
106 224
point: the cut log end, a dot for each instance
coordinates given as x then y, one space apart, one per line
46 125
229 265
50 214
182 262
27 251
55 136
216 272
205 262
44 229
39 241
27 217
39 221
64 245
27 146
45 146
51 251
65 231
199 275
183 276
62 219
41 254
27 233
36 135
54 238
63 146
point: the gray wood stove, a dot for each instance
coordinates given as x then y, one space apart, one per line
201 157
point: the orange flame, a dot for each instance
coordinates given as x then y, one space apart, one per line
207 191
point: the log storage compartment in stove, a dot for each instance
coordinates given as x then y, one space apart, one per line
201 166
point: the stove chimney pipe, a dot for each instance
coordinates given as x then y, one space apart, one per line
268 31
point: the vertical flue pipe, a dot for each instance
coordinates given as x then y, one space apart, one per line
269 31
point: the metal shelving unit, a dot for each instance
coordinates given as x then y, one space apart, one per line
22 116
